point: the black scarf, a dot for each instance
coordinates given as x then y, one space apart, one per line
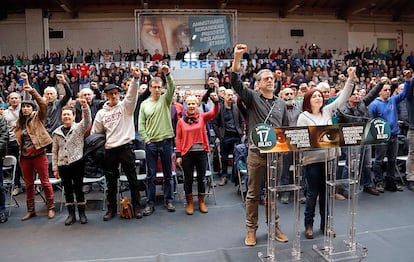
193 119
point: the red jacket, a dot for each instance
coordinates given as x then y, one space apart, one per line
188 135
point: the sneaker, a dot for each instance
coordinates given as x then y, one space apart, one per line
17 191
339 197
410 185
3 218
280 236
380 187
86 189
148 211
250 239
400 188
223 181
284 199
170 207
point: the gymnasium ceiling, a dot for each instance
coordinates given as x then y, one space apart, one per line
386 10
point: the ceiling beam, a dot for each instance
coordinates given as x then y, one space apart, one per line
352 7
69 7
405 7
290 7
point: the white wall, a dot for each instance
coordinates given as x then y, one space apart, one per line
276 33
110 31
94 34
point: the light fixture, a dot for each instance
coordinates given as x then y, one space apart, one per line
293 8
359 11
64 7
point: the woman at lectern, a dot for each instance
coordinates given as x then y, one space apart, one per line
315 113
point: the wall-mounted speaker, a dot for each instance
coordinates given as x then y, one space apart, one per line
55 34
296 32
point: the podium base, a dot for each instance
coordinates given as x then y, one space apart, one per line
285 255
348 252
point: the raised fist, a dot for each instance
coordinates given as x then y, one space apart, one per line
240 49
165 69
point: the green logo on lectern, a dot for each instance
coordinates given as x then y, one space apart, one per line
377 131
263 136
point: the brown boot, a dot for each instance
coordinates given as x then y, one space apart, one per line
250 239
189 209
50 203
30 210
201 204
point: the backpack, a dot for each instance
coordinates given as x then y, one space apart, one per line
94 155
126 211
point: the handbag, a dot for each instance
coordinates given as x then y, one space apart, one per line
126 211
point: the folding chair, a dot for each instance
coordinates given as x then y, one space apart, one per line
140 157
9 173
239 164
101 181
57 183
211 191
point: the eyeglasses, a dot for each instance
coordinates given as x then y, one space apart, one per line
289 94
267 78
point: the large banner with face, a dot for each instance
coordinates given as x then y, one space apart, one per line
170 31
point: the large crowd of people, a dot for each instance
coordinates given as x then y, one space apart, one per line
88 93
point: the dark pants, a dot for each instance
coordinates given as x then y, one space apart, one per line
125 156
226 148
197 159
388 150
2 190
163 149
286 177
72 180
316 184
365 164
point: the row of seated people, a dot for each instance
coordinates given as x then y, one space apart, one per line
312 51
83 75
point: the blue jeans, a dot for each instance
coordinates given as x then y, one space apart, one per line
316 184
163 149
389 150
138 142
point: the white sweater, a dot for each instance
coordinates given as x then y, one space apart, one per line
324 118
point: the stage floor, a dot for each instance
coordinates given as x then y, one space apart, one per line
384 226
